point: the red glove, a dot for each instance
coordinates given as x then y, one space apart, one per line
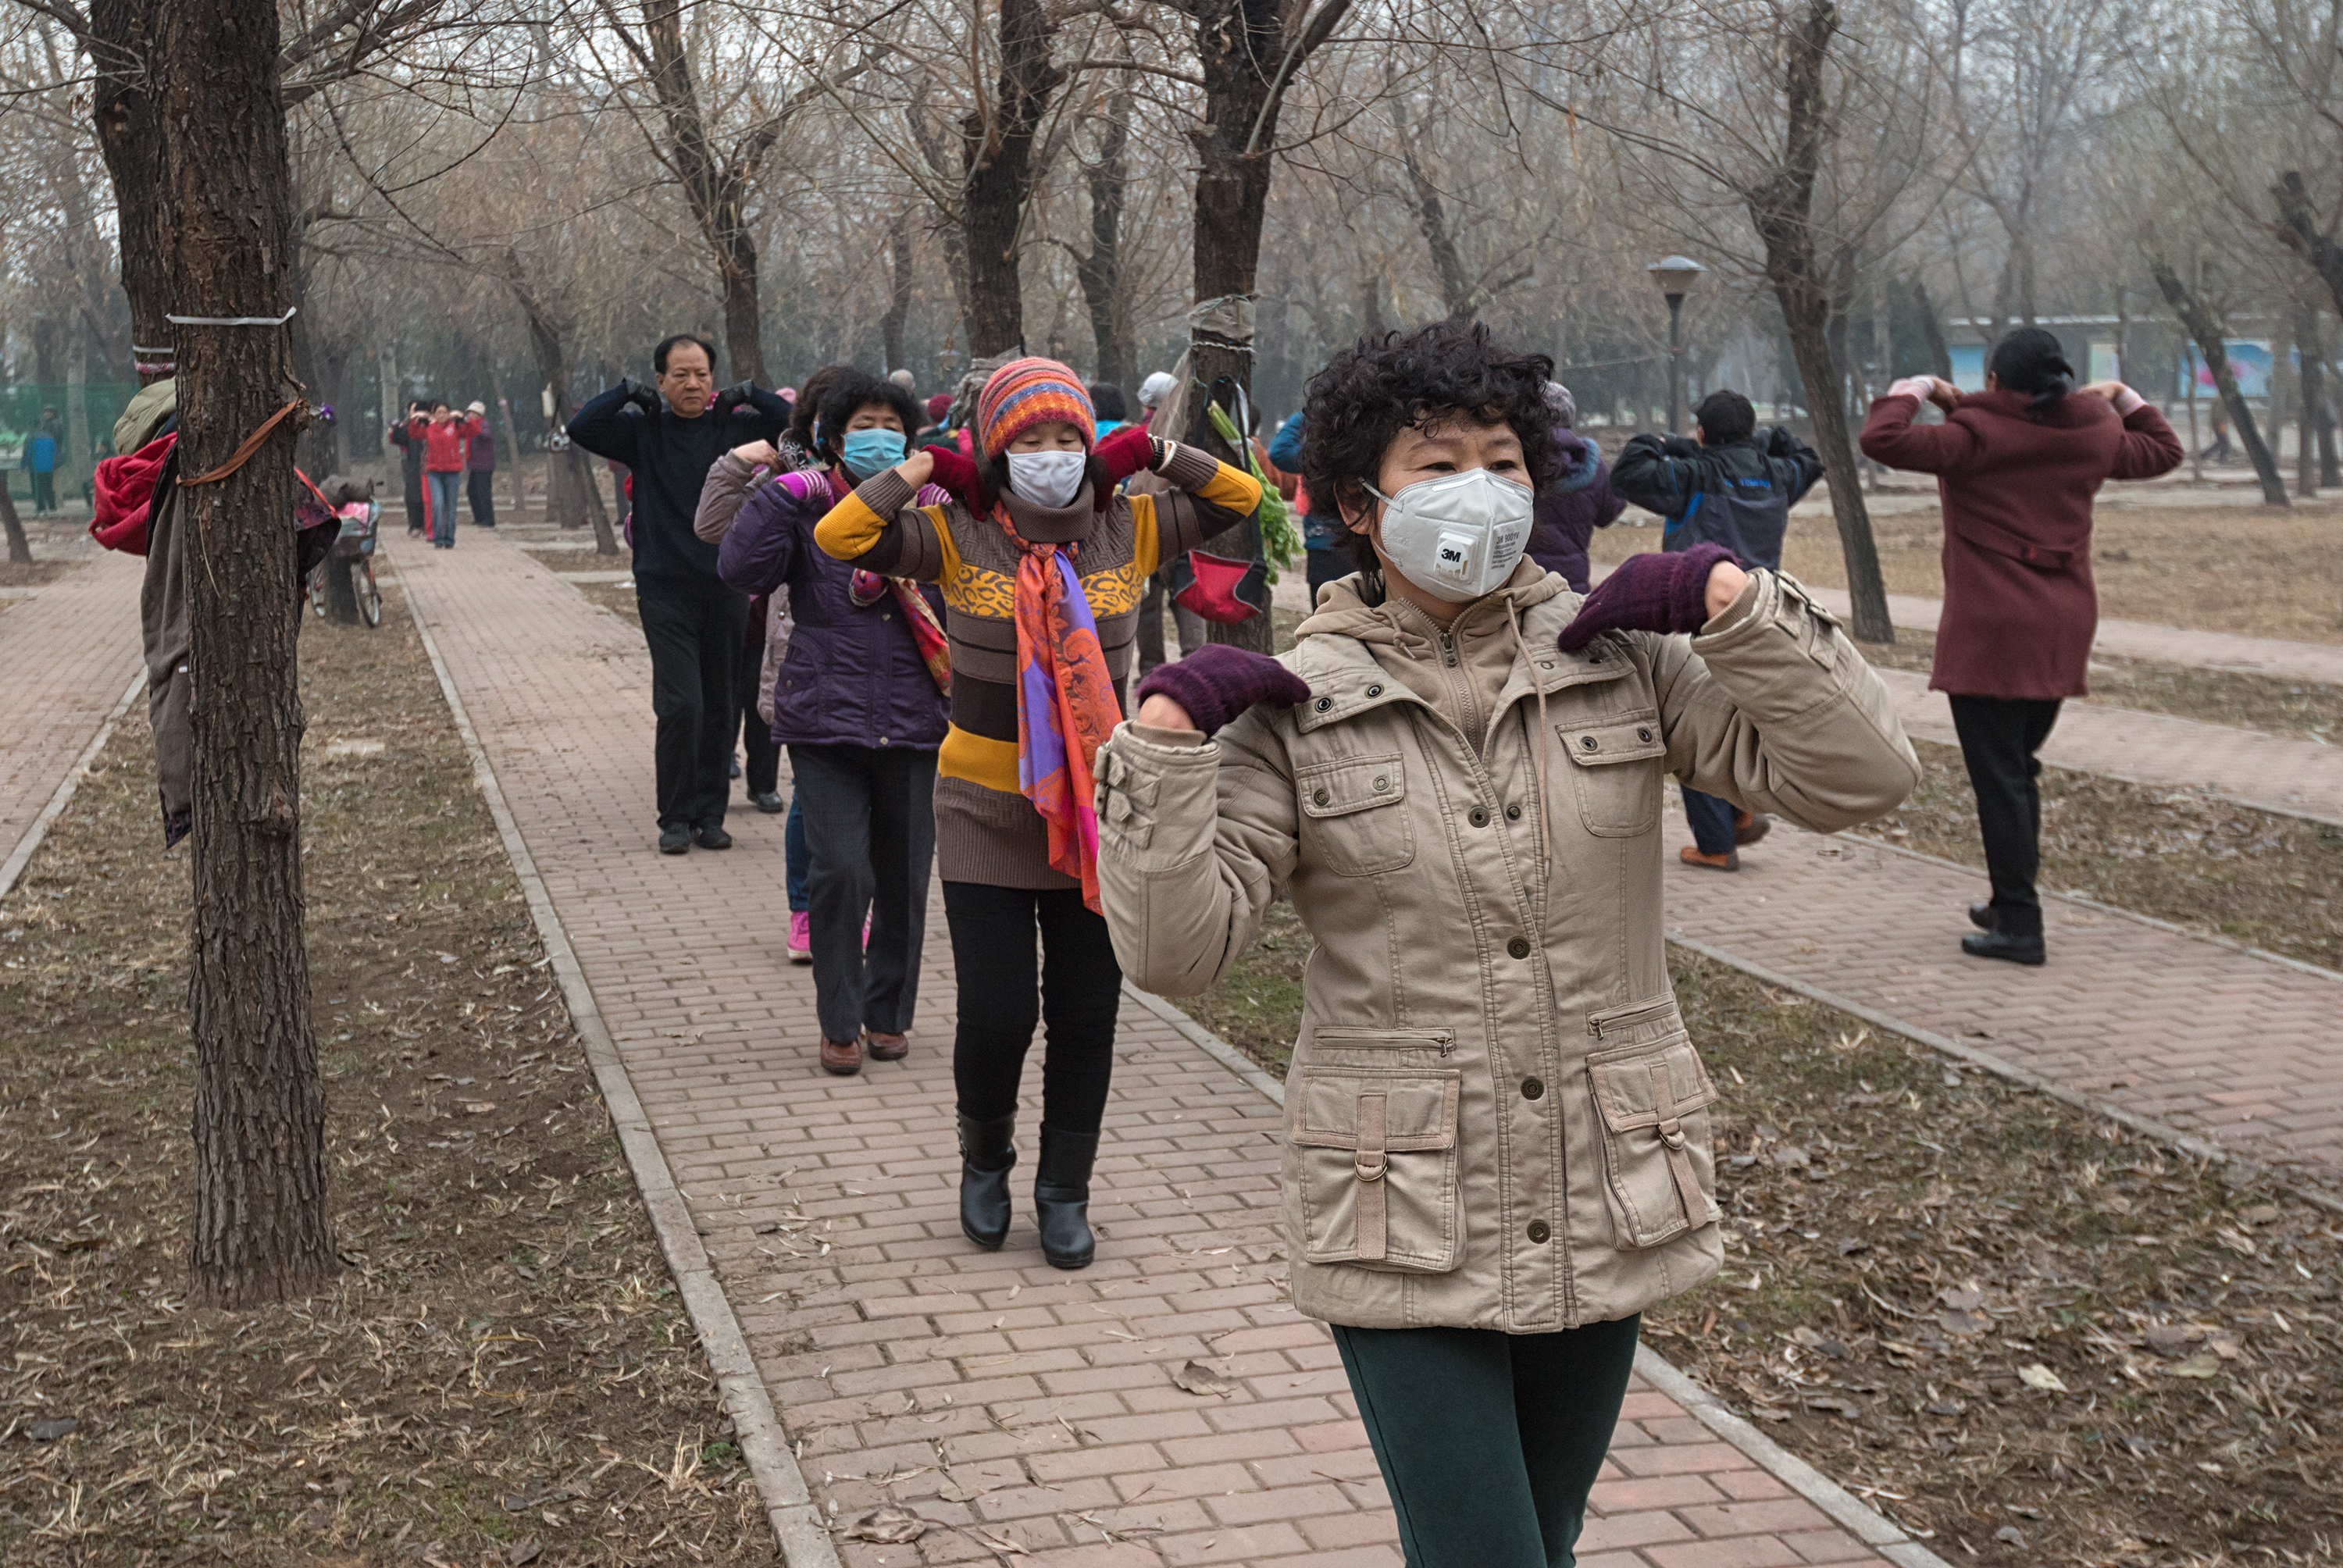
1126 452
960 478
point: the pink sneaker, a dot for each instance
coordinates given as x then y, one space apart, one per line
800 938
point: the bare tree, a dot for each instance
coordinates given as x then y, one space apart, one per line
2206 328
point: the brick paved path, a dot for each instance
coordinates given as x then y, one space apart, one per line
69 652
998 1396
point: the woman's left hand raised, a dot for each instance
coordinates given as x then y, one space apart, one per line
1668 594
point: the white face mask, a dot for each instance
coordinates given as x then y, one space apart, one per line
1047 479
1459 536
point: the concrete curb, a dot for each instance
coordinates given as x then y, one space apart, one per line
1865 1523
805 1541
22 856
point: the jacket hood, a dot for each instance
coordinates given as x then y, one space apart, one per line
1396 624
1581 458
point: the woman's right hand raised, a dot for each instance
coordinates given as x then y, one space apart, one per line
759 455
916 468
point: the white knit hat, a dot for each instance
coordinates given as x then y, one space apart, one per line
1154 390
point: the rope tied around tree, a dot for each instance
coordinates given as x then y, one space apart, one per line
251 444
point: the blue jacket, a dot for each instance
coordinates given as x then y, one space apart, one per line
853 675
41 453
1737 494
1321 530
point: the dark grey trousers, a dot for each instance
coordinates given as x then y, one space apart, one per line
870 826
1150 625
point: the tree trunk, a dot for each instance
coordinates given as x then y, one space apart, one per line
717 188
571 497
1431 214
2298 226
512 437
2198 319
386 376
996 176
20 548
1940 355
1099 272
1782 211
2311 415
121 33
77 449
899 291
260 1231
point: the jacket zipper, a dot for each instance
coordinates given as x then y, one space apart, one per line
1628 1018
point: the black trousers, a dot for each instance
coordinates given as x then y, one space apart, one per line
418 510
871 825
480 489
1489 1442
1079 994
1999 737
695 641
762 772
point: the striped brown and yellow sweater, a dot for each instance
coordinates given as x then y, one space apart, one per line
986 830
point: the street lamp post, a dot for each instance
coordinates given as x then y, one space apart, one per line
1676 274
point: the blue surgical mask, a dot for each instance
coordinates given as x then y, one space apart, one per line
865 452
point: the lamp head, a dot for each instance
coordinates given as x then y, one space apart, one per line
1675 275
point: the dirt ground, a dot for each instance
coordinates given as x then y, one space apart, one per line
2022 1332
2245 568
586 561
502 1372
36 573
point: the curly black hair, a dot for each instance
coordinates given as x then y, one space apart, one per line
803 412
850 391
1366 395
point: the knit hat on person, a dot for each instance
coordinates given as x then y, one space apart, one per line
938 407
1024 393
1155 389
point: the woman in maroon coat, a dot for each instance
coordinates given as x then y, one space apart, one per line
2018 466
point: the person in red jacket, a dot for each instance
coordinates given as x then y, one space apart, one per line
2018 466
446 442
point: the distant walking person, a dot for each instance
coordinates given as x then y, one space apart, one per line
668 436
2018 465
410 469
1734 487
480 467
41 462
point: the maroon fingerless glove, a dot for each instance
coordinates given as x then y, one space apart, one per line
1661 593
958 478
1125 453
1216 683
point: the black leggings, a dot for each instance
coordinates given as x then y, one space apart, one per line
1489 1442
1998 739
1079 994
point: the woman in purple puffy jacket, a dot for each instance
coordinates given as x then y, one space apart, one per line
1569 511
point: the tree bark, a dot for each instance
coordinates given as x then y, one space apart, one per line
1940 355
1431 214
77 447
512 437
2312 413
571 496
996 176
1099 271
898 290
388 388
1782 210
20 548
2201 325
122 35
1248 63
260 1230
2297 227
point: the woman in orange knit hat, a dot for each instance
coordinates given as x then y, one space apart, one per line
1041 564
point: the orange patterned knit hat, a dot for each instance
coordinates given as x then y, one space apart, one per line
1024 393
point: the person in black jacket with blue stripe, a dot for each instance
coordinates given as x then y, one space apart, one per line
1734 486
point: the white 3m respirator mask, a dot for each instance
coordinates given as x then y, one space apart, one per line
1457 537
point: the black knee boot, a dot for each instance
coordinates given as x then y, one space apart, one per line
986 1155
1061 1196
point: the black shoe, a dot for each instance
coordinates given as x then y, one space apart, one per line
710 835
1750 826
736 766
2015 949
768 801
1981 917
987 1155
675 841
1062 1197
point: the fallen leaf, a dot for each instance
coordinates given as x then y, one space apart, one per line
1198 1378
1802 1335
1965 1324
1006 1544
521 1552
2010 1534
2225 1344
2171 1339
2034 1374
1792 1155
2259 1214
50 1430
1962 1300
888 1526
2204 1363
1849 1246
479 1107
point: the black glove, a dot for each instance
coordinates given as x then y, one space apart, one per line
641 395
733 398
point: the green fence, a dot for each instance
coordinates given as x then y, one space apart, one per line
26 406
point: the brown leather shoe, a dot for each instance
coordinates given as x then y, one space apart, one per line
842 1060
1691 856
885 1047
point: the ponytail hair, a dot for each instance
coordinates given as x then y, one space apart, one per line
2030 360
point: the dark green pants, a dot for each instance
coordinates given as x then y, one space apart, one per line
1489 1442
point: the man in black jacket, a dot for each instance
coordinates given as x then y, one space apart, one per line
410 465
668 436
1734 486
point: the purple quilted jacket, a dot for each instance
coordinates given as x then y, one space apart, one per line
853 675
1570 511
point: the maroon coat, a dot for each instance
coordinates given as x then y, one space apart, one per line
2020 609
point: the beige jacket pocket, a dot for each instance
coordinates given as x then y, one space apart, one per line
1353 815
1375 1150
1659 1168
1619 758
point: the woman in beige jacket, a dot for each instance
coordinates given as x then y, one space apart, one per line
1497 1131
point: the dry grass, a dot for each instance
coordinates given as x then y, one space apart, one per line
2248 570
502 1373
585 561
35 573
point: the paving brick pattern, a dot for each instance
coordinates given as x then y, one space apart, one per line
69 652
1001 1398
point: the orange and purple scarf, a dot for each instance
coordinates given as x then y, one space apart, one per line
1066 705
